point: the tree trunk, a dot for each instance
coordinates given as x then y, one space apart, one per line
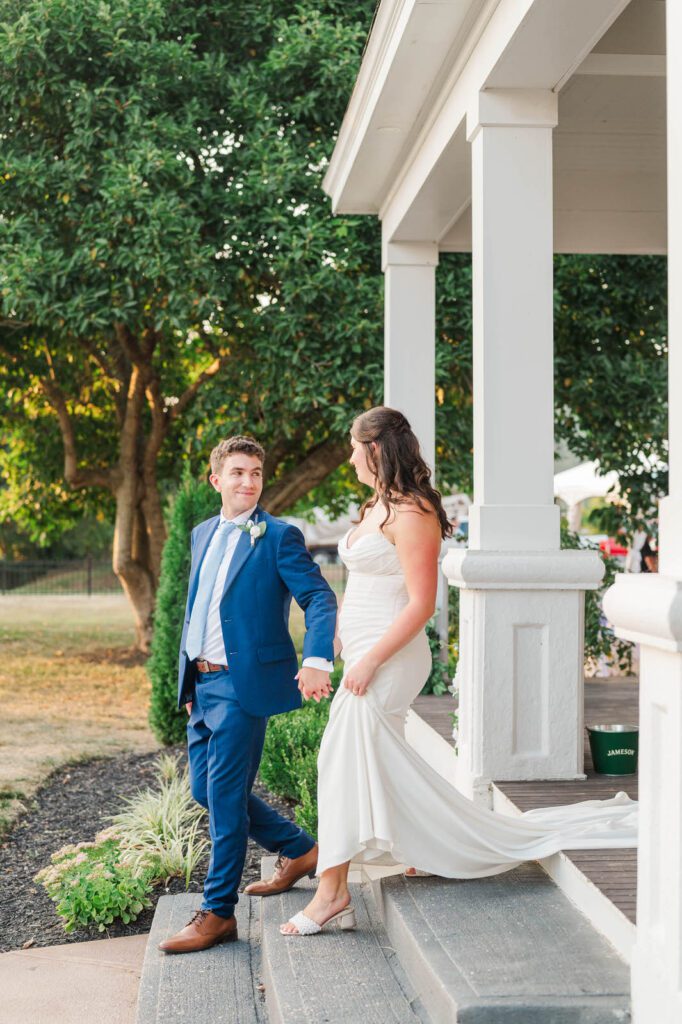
315 468
154 523
132 557
137 542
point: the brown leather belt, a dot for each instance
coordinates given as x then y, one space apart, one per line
208 666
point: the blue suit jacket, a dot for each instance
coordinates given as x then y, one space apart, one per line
255 614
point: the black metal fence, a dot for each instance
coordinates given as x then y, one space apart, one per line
94 576
76 576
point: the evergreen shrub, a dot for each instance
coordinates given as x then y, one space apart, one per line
193 503
289 764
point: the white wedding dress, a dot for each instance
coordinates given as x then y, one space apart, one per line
377 798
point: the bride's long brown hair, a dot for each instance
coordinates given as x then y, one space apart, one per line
400 472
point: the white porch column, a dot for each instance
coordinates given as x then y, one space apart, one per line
410 336
648 609
522 599
410 355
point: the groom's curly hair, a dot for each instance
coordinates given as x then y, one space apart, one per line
240 444
395 459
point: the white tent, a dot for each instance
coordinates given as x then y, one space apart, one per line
575 485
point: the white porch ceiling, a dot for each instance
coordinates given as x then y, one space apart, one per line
402 153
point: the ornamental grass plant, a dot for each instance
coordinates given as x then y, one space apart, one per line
160 830
156 837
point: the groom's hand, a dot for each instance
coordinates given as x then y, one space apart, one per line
313 682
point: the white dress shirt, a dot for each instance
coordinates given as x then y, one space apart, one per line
213 647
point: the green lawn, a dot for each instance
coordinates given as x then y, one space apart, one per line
70 689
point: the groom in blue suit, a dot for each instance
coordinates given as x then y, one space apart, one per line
238 666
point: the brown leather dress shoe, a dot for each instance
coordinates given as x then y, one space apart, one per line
205 929
287 873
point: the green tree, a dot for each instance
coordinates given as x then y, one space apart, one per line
169 269
170 273
610 346
611 371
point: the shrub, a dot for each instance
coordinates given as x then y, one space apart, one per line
290 738
306 811
440 675
156 836
289 763
193 503
600 640
90 884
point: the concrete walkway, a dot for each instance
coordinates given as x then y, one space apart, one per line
78 983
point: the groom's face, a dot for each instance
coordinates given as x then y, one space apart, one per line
240 483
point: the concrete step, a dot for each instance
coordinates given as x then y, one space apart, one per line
218 986
335 977
505 950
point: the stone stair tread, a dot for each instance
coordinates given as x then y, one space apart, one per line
510 948
218 985
335 977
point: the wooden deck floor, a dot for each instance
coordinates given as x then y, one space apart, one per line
614 872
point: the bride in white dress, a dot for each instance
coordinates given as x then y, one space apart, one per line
376 796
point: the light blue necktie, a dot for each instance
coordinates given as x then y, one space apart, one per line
207 577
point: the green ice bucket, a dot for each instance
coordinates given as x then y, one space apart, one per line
614 748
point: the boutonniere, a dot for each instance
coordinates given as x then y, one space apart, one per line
255 530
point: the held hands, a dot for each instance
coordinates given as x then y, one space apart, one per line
313 682
360 676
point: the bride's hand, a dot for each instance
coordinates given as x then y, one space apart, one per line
360 676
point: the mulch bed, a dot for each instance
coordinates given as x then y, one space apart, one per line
72 806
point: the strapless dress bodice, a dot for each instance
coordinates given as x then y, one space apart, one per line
372 554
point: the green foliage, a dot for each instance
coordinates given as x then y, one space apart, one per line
454 373
159 830
289 763
155 837
439 677
193 503
453 619
90 885
306 810
161 212
600 640
610 335
162 173
611 371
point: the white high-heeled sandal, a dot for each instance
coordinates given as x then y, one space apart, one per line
345 919
417 873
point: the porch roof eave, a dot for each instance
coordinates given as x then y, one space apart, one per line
410 47
420 58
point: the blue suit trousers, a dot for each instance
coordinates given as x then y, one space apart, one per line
225 746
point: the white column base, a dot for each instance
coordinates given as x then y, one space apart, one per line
648 610
521 670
